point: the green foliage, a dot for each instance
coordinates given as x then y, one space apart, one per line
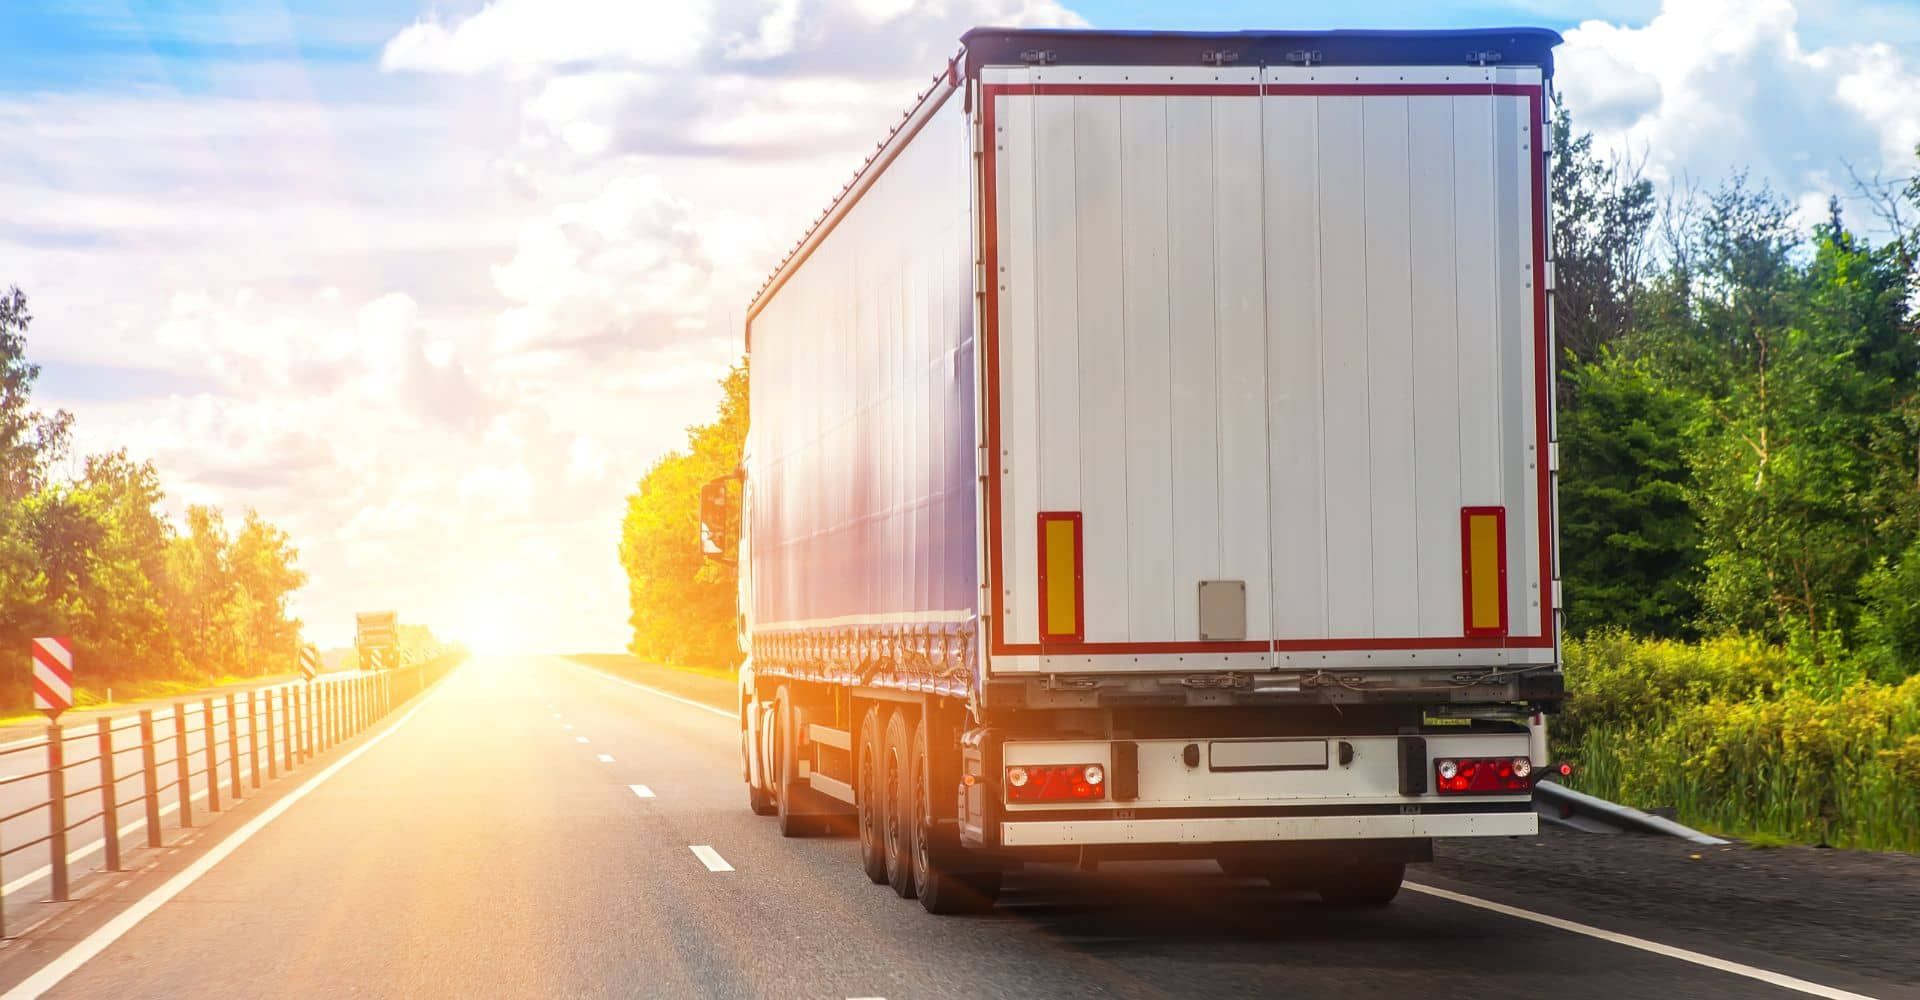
93 558
682 603
1631 539
1841 769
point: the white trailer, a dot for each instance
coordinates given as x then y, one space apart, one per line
1152 456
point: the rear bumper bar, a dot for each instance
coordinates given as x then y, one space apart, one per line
1246 829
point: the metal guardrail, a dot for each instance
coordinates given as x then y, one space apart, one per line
1558 803
310 718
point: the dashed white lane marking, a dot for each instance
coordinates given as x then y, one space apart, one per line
606 758
580 739
644 792
1781 980
711 858
566 725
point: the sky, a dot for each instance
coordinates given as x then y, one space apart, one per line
431 283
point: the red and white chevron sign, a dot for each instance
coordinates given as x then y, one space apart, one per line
309 661
52 673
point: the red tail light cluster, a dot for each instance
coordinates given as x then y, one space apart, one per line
1484 774
1056 782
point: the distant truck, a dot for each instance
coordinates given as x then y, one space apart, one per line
1152 456
376 639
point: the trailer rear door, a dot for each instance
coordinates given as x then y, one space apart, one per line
1270 349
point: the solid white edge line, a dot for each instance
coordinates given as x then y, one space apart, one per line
702 706
606 758
642 791
1781 980
106 934
710 857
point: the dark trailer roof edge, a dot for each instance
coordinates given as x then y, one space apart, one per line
1435 47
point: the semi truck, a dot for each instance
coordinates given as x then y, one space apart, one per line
1151 455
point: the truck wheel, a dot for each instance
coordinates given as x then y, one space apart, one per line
790 797
897 805
1371 885
869 808
758 798
941 891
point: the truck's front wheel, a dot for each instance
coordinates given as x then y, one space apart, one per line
758 798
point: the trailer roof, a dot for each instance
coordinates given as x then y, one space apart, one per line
1073 46
1449 47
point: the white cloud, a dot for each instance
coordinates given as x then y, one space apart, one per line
1708 87
522 37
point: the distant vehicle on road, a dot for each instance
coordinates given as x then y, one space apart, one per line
1152 456
376 639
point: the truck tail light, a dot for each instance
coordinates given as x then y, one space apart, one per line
1056 782
1483 774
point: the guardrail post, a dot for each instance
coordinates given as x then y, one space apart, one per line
320 718
184 773
109 796
288 723
233 748
273 762
213 756
57 823
152 772
253 739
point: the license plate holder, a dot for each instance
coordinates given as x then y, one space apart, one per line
1267 755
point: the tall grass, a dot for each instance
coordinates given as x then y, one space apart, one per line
1744 738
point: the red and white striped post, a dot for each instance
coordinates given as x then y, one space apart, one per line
52 674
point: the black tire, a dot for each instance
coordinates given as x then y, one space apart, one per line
790 799
1369 885
758 799
941 891
870 808
896 751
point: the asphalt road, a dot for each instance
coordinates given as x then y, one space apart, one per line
492 843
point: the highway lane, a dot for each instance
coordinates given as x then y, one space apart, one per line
27 880
483 849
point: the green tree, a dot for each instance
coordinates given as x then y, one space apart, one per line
683 605
1630 540
29 439
1603 215
263 561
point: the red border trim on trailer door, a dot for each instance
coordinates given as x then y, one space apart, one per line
990 326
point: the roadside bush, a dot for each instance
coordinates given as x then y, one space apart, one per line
1615 681
1843 771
